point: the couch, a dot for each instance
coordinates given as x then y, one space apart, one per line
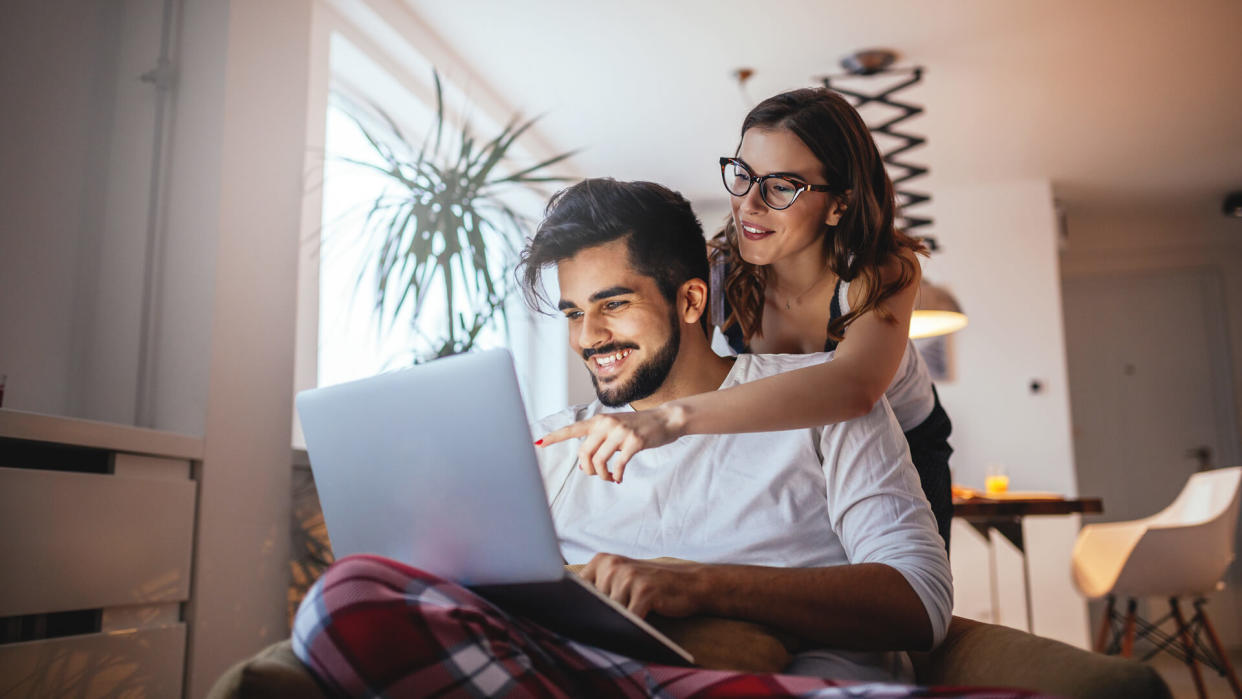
972 654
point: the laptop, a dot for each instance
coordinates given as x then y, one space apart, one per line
433 466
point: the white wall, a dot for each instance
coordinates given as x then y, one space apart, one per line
191 222
113 249
999 259
75 231
54 59
75 189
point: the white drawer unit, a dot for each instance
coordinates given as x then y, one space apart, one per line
96 547
143 662
87 541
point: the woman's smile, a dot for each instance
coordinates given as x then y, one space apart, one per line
754 232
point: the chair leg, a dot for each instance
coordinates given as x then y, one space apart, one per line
1106 626
1183 633
1220 651
1127 638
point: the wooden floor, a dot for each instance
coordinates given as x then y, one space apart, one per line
1177 676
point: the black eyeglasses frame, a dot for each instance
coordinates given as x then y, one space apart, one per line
799 187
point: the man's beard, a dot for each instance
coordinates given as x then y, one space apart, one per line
648 377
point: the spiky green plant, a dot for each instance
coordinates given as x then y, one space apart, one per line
444 223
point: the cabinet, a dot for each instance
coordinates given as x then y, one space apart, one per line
96 547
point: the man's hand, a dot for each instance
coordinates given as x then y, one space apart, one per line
666 586
619 434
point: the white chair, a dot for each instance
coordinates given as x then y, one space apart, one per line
1181 551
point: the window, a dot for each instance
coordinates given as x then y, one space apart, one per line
340 334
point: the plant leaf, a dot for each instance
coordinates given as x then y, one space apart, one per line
520 176
439 226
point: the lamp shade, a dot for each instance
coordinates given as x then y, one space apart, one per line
936 312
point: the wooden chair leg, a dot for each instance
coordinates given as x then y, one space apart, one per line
1183 633
1106 626
1220 651
1127 638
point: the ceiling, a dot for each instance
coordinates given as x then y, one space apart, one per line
1120 104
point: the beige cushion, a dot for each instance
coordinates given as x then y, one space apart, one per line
274 672
986 655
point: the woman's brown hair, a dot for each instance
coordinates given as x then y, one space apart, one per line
862 242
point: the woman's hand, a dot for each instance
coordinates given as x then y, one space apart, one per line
620 434
666 586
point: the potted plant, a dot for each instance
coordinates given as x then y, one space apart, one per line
442 231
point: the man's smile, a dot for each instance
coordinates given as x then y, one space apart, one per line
608 365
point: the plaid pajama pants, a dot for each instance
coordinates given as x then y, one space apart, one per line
372 627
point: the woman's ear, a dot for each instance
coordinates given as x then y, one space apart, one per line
837 209
692 300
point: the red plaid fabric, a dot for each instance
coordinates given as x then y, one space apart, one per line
372 627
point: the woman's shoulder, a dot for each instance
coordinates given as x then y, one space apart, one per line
901 266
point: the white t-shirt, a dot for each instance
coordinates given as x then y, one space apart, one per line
844 493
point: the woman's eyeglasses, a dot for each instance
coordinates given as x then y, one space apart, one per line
777 191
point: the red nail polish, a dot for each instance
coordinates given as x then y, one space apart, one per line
538 442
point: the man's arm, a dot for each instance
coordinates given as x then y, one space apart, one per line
868 606
897 592
880 513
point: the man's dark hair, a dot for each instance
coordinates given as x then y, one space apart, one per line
663 236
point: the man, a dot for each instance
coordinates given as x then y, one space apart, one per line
821 533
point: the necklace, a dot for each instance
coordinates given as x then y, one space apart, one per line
798 298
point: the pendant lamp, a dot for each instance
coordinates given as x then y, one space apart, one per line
936 312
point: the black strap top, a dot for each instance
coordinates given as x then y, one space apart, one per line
734 332
834 312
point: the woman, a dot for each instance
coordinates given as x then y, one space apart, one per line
811 262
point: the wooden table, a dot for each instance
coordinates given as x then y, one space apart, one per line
1005 516
981 509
